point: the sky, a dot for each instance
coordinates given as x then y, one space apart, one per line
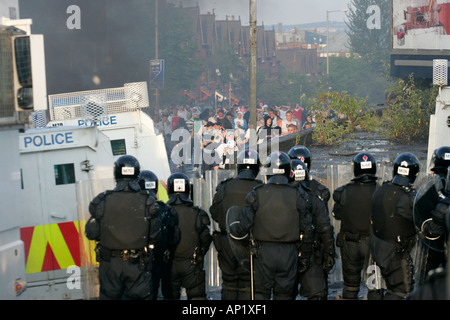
272 12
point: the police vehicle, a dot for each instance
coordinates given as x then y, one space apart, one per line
60 154
67 163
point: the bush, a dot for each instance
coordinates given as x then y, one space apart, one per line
338 115
408 111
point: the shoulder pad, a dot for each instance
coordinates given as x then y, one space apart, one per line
251 197
100 197
324 192
338 193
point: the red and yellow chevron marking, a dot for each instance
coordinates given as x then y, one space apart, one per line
162 191
57 246
51 247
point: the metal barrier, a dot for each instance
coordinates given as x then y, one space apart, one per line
203 193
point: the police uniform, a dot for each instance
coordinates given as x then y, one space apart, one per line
436 228
126 225
276 214
233 191
169 238
314 281
393 228
353 207
194 224
164 251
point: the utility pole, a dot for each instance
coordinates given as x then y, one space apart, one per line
156 52
252 64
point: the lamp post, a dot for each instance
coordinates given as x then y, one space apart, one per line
252 76
328 38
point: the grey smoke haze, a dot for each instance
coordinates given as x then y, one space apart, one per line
116 39
272 12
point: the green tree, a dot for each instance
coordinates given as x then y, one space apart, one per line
177 48
370 38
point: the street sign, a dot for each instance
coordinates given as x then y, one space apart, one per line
157 74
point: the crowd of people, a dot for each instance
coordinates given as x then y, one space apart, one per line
224 129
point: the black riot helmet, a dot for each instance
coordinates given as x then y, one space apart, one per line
440 161
364 164
248 159
148 181
178 183
301 153
406 169
278 163
126 168
299 171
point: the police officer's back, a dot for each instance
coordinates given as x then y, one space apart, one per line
277 216
314 281
233 192
435 286
194 224
393 227
353 207
169 238
435 227
126 225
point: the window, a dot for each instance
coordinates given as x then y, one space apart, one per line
64 173
118 147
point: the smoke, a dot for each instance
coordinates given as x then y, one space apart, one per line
113 45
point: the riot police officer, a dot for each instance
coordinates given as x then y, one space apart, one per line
169 238
353 207
393 227
232 192
303 154
194 224
277 217
435 286
435 228
314 281
126 225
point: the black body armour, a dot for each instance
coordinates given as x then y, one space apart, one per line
355 212
387 223
277 218
125 225
189 228
236 191
319 190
